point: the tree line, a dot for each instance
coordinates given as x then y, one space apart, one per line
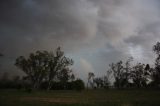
52 70
48 70
124 75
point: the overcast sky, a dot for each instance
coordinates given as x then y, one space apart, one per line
93 33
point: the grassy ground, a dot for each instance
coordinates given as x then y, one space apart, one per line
84 98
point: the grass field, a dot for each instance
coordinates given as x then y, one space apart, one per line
84 98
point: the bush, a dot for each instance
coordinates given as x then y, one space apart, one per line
78 85
10 85
74 85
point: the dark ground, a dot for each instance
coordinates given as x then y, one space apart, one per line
84 98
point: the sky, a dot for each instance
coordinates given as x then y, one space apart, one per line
94 33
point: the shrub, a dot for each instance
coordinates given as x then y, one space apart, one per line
78 85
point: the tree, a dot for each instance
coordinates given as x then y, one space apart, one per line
57 63
90 79
104 81
139 75
64 76
156 75
99 82
107 78
43 65
35 66
127 72
118 73
147 67
72 77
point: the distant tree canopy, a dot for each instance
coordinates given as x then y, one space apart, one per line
124 75
44 65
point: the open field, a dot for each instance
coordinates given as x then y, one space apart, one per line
84 98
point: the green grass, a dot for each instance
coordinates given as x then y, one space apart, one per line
84 98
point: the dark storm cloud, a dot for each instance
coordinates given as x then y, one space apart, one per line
36 22
30 25
93 32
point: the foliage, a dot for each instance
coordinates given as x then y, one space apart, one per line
139 75
58 62
48 70
156 74
6 83
99 82
118 73
64 75
44 65
90 79
78 85
35 66
102 82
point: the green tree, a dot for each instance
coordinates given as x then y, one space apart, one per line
35 67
